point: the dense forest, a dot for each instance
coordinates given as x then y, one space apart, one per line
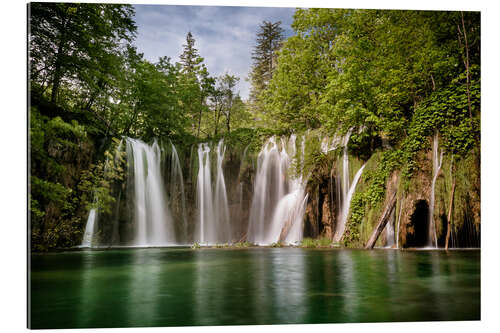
396 80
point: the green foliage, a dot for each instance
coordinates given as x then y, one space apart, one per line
351 236
268 42
365 68
375 178
314 158
98 182
316 243
445 111
398 75
57 150
190 59
242 244
76 44
253 138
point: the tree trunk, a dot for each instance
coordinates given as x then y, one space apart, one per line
382 222
228 120
56 81
450 210
199 117
58 72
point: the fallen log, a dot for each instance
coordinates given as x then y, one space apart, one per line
381 223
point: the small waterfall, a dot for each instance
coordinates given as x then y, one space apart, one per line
345 191
328 144
278 201
153 221
89 228
345 164
436 167
399 221
389 231
344 212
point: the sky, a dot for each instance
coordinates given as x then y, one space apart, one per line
224 36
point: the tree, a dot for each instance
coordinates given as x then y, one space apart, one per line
269 39
74 43
197 80
190 59
228 83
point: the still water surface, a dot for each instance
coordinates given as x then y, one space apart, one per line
181 286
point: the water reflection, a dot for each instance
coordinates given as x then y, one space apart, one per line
348 285
288 286
88 295
177 287
144 271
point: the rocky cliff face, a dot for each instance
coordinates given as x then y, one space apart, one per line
411 218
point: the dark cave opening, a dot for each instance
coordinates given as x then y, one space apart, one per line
419 222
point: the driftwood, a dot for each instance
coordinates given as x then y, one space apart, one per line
382 222
285 230
449 214
243 238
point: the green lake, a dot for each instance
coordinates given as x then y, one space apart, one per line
136 287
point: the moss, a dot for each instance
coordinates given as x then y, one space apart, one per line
242 244
316 243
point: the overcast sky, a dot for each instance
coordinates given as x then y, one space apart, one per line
225 36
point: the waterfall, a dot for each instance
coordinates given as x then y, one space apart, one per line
204 195
328 144
345 191
89 229
399 221
345 164
152 218
213 209
177 193
278 201
389 231
221 208
436 167
344 212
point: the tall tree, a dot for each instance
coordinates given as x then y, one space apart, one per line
269 39
197 81
75 42
190 59
228 83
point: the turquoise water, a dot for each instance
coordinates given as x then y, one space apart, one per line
181 286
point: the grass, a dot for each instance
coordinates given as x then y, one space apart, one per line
316 243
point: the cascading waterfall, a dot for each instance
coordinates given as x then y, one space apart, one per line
221 207
344 212
278 201
153 221
328 144
160 205
177 193
204 195
213 209
436 167
345 191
